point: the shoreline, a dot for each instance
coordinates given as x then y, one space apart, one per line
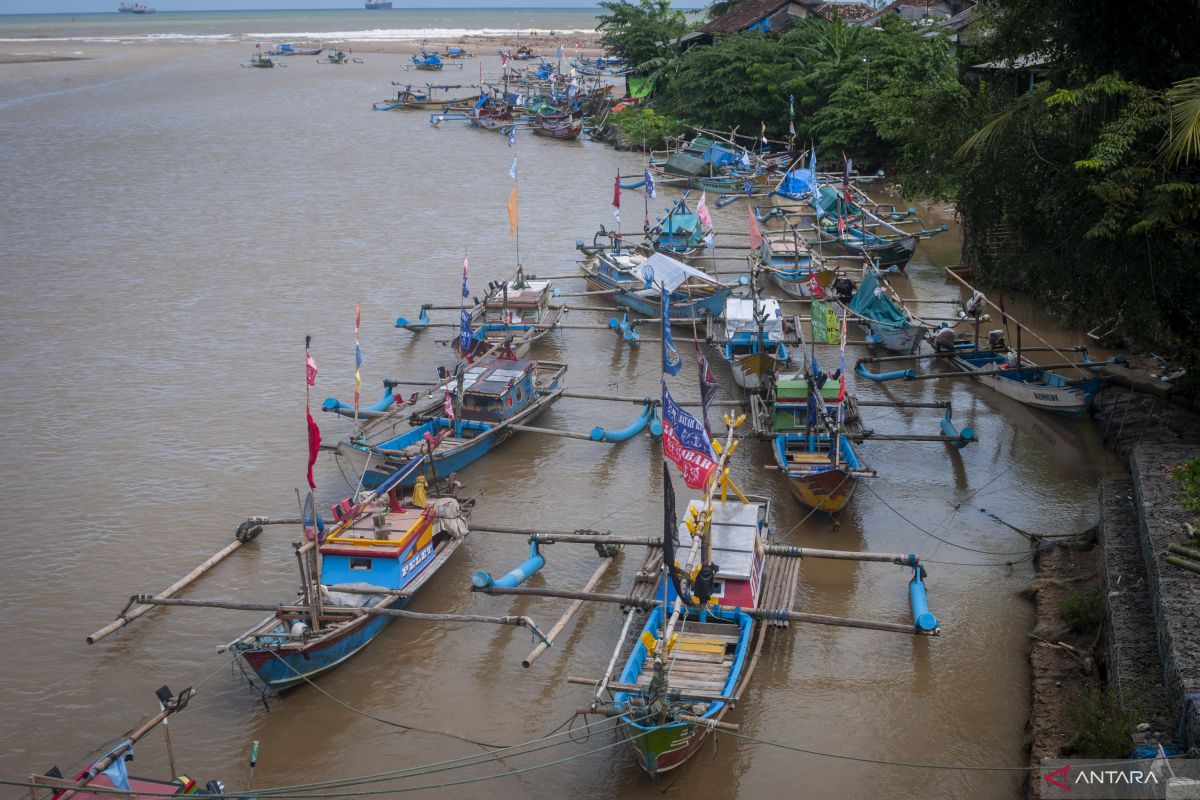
574 45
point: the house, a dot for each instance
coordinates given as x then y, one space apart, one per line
921 11
764 16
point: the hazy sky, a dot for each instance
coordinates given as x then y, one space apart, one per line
83 6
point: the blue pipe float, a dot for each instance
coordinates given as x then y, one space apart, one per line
629 431
484 580
861 370
656 422
421 324
961 438
923 619
727 199
634 184
624 329
332 404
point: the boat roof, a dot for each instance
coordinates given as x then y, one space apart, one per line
735 528
739 315
530 292
493 375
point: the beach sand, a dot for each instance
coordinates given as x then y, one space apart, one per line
574 45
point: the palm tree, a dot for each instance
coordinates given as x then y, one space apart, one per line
1182 140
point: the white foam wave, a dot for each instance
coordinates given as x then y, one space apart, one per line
403 34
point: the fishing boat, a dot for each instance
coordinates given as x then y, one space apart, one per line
1026 382
458 52
482 408
564 129
793 266
882 316
260 59
754 340
690 664
514 314
378 557
291 50
135 8
811 450
108 776
680 233
637 280
428 97
378 5
427 62
335 56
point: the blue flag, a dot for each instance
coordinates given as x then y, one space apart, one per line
671 360
512 171
512 136
651 190
464 333
357 355
116 772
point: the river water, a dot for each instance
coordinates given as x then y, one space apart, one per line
172 226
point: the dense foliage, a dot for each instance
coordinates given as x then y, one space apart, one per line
638 31
1067 134
645 128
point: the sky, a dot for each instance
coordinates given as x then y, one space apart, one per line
85 6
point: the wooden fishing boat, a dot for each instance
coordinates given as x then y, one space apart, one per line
291 50
377 558
496 394
260 59
754 340
1026 382
108 776
793 266
881 315
427 62
820 462
515 313
634 277
564 129
423 99
680 233
691 678
335 56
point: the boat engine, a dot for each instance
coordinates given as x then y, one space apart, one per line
843 289
975 305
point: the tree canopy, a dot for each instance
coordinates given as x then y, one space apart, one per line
637 31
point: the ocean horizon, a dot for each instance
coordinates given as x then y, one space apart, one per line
354 25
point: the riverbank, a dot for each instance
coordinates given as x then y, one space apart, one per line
1129 684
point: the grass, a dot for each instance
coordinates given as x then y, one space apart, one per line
1083 611
1104 727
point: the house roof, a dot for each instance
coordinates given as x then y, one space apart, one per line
743 14
847 11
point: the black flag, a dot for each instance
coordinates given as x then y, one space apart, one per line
670 532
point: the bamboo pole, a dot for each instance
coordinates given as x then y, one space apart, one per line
572 609
1013 319
552 432
633 688
755 613
133 613
520 621
983 373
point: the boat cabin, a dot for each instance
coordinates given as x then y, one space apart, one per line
741 324
791 403
384 549
495 388
738 532
518 302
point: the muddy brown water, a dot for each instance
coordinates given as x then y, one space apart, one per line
172 226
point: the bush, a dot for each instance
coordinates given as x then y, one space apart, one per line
1104 728
1082 611
646 128
1189 475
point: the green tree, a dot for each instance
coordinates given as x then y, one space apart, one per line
637 32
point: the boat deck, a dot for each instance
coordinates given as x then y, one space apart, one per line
701 658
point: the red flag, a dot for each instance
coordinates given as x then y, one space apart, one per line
813 286
434 441
314 446
310 369
448 406
617 191
755 233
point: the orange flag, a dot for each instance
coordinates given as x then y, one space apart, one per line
512 212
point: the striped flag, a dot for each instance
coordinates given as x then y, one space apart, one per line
466 294
357 357
651 190
310 368
617 198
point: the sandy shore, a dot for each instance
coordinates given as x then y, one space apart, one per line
574 45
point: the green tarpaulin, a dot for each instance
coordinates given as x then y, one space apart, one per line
639 87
